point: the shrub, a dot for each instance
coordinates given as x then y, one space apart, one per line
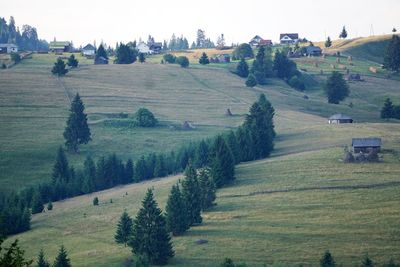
50 206
183 61
3 66
297 83
15 57
96 201
243 51
348 157
169 58
251 81
145 118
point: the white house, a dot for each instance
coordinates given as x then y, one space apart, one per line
88 50
289 38
143 48
8 48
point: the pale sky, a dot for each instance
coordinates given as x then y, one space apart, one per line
84 21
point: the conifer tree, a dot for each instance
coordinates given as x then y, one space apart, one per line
59 68
327 260
242 68
41 260
37 203
77 130
89 174
176 213
72 61
124 229
160 169
328 42
149 236
367 262
62 259
61 171
101 52
245 143
251 80
140 170
207 189
222 163
343 33
203 60
392 54
336 88
191 195
262 65
201 158
388 109
128 178
95 201
232 143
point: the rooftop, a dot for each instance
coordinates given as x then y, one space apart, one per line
366 142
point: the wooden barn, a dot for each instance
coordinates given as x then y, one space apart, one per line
366 145
339 118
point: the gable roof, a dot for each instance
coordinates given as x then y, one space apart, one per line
313 49
265 42
366 142
293 36
339 116
89 47
9 45
59 45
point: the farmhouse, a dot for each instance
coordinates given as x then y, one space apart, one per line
143 48
366 144
339 118
257 41
289 38
156 48
60 46
313 50
8 48
88 50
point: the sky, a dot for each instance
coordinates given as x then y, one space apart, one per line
126 20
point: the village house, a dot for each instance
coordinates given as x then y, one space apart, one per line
366 145
289 38
89 50
257 41
313 51
60 46
8 48
143 48
156 47
339 118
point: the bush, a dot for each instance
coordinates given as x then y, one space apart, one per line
251 81
145 118
183 61
96 201
15 57
297 83
243 51
3 66
169 58
50 206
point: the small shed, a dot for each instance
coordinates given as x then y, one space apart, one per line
88 50
313 50
366 144
101 61
60 46
8 48
339 118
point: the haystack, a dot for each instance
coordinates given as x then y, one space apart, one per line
187 126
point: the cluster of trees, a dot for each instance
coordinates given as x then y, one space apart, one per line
59 67
177 43
389 110
336 88
144 118
125 54
202 41
27 39
181 60
264 67
392 54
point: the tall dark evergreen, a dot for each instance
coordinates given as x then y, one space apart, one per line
202 151
125 54
203 60
283 66
101 52
128 178
89 174
140 172
191 195
343 33
59 68
142 57
124 229
262 65
77 131
207 189
13 256
61 171
245 143
176 213
222 163
41 260
150 237
392 54
242 68
160 168
387 110
336 88
62 259
72 61
328 42
37 203
233 145
327 260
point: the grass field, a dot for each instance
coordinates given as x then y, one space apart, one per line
287 209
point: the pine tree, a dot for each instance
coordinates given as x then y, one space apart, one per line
142 58
41 260
59 68
207 190
61 168
388 109
367 262
89 173
201 158
176 213
328 42
101 52
37 203
140 170
394 30
149 236
262 65
269 112
124 229
128 178
343 33
222 163
62 259
77 130
160 169
245 144
242 68
251 80
232 143
336 88
191 195
327 260
392 54
72 61
204 59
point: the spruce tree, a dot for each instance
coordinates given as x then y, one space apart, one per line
392 54
140 170
327 260
191 195
37 203
61 171
388 109
124 229
367 262
77 130
222 163
149 236
207 189
245 143
202 151
128 178
328 42
176 214
251 80
242 68
101 52
160 169
59 68
72 61
62 259
203 60
232 143
343 33
336 88
269 112
41 260
262 65
89 174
